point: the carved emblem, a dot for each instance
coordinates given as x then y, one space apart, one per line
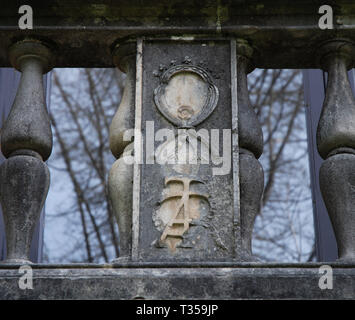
184 202
186 95
181 211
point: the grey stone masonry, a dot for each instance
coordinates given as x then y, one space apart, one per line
183 281
185 218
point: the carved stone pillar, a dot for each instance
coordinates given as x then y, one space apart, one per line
196 191
251 147
26 142
184 201
336 144
120 179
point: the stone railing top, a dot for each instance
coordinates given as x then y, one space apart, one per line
85 31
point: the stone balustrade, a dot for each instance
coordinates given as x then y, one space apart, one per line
180 221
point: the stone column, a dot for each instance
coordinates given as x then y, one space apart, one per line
184 199
336 144
195 187
251 145
26 142
120 181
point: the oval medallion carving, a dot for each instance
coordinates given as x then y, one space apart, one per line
186 95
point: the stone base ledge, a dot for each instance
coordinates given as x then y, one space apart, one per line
178 281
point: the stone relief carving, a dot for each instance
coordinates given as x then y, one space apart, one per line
186 95
179 208
183 202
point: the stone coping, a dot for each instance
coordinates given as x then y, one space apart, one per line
226 281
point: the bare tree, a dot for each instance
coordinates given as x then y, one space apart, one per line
82 106
284 230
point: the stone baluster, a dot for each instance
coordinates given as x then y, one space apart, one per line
26 142
336 144
120 179
251 148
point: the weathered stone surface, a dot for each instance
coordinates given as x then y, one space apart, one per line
120 184
149 281
249 129
186 212
251 191
211 208
125 58
28 125
24 183
120 180
337 182
26 141
336 144
251 144
336 128
285 32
